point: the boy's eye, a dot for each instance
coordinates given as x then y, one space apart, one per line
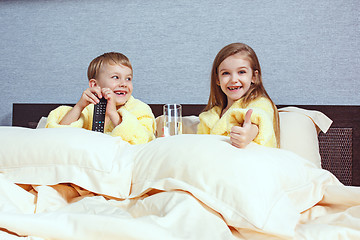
242 72
128 79
115 77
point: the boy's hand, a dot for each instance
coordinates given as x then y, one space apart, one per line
241 136
90 95
110 96
111 109
87 97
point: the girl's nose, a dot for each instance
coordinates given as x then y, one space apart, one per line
234 77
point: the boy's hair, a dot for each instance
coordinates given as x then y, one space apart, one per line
218 98
106 58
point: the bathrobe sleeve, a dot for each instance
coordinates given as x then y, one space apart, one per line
262 116
208 120
137 126
56 115
138 123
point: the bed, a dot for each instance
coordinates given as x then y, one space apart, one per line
339 147
78 184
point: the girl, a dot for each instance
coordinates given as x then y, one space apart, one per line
239 105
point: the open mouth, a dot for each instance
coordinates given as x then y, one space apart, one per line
120 93
234 88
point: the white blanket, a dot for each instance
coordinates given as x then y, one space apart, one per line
182 187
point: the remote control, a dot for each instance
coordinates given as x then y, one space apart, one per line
99 116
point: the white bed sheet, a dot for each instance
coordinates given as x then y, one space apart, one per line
178 194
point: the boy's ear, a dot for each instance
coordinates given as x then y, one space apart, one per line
92 82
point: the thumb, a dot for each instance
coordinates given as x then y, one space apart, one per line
247 118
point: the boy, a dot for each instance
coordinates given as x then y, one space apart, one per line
110 76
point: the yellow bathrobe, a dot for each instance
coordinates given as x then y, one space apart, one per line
137 126
262 116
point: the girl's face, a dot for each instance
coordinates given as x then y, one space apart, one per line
235 77
119 79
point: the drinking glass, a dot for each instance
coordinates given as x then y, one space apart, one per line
172 119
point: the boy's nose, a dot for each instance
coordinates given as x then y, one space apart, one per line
122 83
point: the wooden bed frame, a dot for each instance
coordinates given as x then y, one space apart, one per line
339 147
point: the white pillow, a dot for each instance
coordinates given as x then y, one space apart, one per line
95 161
42 122
299 130
258 186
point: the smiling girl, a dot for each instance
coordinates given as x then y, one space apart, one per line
110 76
239 105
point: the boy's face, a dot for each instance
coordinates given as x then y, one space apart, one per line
119 79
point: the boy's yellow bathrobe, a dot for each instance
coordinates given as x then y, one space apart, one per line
137 126
262 116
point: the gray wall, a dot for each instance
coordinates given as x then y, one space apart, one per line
309 50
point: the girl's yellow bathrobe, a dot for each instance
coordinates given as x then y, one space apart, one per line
262 116
137 126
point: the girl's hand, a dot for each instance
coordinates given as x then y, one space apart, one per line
111 110
241 136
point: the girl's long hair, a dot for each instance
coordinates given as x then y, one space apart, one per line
218 98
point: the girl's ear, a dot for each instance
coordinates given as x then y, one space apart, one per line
92 82
255 77
218 82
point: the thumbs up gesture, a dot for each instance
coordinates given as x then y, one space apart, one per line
241 136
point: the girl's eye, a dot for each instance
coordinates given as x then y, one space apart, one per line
128 79
242 72
115 77
225 73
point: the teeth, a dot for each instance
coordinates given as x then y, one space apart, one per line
233 88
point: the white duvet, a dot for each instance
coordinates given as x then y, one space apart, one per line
78 184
